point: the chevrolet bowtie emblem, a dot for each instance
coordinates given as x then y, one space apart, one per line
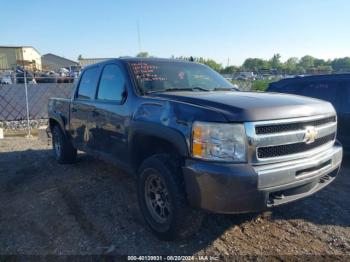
310 134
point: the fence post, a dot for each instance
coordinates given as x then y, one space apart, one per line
27 105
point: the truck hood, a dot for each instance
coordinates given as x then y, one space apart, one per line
253 106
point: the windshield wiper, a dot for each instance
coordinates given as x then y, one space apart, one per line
195 88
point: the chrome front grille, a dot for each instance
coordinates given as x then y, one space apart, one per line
271 129
279 140
282 150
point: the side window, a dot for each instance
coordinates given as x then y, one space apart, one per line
112 84
87 85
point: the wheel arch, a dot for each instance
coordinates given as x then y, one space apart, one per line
148 140
57 120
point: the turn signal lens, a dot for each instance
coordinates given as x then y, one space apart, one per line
197 149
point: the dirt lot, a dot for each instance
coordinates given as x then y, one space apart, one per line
90 208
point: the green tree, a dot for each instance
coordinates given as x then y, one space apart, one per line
341 64
291 65
320 62
255 64
80 57
142 54
211 63
230 70
275 62
323 69
307 62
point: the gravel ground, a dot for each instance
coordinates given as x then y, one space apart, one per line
91 208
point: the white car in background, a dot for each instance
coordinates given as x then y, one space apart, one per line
63 71
6 79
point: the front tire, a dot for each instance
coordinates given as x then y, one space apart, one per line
162 199
63 149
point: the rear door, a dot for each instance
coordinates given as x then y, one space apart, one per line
82 107
111 113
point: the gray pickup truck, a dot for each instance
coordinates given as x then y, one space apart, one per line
194 142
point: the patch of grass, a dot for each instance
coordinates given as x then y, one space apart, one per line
261 85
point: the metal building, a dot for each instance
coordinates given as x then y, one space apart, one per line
12 56
51 62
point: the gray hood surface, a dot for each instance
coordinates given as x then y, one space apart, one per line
253 106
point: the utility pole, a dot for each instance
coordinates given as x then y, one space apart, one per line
26 91
27 106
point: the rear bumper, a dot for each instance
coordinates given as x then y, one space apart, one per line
241 188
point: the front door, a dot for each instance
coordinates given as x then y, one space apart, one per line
111 113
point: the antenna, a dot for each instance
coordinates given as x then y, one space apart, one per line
139 35
140 50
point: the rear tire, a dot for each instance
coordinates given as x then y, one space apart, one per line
162 199
63 149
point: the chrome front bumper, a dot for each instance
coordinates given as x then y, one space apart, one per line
299 171
241 188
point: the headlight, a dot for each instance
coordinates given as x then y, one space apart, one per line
219 142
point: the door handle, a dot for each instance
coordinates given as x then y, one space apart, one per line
74 109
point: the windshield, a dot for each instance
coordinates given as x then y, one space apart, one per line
158 76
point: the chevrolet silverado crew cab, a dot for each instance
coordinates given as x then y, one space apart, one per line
194 142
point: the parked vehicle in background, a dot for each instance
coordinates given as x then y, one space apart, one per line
47 77
74 71
63 72
33 81
6 79
245 76
333 88
194 142
66 79
228 77
20 77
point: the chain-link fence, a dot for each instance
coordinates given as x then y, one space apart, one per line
13 100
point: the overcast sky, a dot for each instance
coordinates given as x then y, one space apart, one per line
220 30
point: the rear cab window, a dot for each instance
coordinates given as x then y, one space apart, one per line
87 84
